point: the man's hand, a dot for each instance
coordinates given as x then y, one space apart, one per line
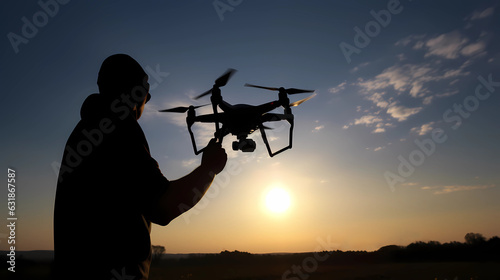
214 157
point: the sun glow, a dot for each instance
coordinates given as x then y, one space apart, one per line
277 200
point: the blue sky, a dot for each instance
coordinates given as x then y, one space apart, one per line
414 79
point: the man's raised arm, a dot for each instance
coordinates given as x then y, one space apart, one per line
185 192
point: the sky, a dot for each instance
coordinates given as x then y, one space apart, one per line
399 144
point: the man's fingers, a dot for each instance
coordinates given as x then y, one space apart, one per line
214 141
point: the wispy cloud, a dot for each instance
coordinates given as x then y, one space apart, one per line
409 78
447 93
456 188
367 120
402 113
362 65
410 39
318 128
379 130
370 121
473 48
423 129
482 14
338 88
446 45
410 184
451 45
379 100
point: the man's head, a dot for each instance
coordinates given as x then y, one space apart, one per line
120 75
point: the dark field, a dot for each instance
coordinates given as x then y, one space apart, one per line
403 271
406 271
274 267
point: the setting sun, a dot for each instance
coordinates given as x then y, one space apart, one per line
277 200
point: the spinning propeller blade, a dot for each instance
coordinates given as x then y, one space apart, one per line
288 90
296 90
268 88
175 110
181 109
203 94
297 103
220 82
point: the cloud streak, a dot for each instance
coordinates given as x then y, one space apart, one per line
482 14
402 113
451 45
338 88
448 45
423 129
456 188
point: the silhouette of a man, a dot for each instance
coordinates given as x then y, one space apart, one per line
110 189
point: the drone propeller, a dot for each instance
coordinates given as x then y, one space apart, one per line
181 109
296 90
268 88
220 82
203 94
288 90
297 103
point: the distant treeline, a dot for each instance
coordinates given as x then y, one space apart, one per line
475 248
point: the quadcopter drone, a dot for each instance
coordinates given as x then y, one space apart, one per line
242 120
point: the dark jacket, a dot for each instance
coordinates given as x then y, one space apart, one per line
108 182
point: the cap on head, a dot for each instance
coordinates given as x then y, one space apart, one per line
119 74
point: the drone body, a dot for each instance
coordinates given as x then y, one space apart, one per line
241 120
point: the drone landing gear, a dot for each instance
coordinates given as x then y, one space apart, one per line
277 117
190 121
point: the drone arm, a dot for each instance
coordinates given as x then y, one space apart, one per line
272 117
267 107
210 118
